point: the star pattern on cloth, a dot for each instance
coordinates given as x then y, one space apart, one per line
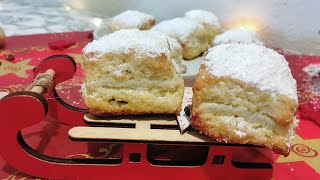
18 68
306 150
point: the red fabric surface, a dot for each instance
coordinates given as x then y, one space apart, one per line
50 137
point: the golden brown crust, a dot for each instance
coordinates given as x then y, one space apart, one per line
197 43
151 68
281 111
147 103
115 26
125 84
99 112
148 25
277 145
205 80
212 33
204 37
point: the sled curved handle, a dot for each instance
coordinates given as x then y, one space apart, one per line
61 68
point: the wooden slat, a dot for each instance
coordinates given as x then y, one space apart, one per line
139 119
141 133
138 135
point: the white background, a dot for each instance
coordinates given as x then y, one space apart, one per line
293 24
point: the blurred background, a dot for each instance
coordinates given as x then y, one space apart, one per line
292 25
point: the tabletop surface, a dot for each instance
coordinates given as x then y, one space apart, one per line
19 17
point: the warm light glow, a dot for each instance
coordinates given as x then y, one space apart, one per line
76 4
249 27
97 21
248 24
67 8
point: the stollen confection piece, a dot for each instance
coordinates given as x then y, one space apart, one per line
245 93
191 35
131 72
130 20
236 36
209 20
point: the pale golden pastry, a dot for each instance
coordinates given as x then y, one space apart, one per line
131 20
245 94
209 20
177 50
191 35
131 72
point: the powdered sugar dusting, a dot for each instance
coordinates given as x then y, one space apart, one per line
176 67
292 128
132 19
253 64
174 45
240 133
236 36
143 43
83 88
312 70
117 73
203 17
311 84
179 28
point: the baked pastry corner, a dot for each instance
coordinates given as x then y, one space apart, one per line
245 94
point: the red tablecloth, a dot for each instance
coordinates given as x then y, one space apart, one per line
49 137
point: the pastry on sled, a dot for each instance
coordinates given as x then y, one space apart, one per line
131 72
245 94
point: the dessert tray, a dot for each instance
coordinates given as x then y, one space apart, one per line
137 134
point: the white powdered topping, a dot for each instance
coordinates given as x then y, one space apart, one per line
236 36
292 128
312 70
143 43
117 73
132 19
254 64
179 28
240 133
83 88
174 45
203 17
176 67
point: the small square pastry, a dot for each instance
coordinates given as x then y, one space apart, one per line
191 35
209 20
236 36
245 94
131 72
130 20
